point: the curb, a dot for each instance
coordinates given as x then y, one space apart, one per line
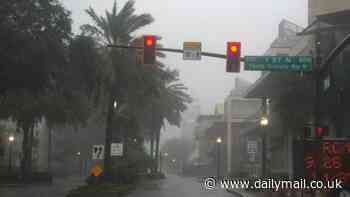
235 193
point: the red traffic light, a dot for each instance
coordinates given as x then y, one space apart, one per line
233 49
315 131
321 131
149 53
233 54
149 41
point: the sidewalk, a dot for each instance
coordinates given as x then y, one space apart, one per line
59 188
244 193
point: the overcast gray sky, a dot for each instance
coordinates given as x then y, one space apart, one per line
252 22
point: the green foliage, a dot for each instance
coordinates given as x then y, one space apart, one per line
45 72
116 26
134 162
32 41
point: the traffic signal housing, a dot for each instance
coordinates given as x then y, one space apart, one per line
149 45
321 131
233 54
316 131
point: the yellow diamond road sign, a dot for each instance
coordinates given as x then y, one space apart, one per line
96 171
192 51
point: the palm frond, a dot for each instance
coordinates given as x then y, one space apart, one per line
114 10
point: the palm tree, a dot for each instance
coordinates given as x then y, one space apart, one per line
169 106
166 103
116 28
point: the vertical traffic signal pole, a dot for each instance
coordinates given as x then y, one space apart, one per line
263 140
317 100
318 79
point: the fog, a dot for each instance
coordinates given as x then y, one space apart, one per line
252 22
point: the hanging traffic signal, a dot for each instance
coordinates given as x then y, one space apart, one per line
315 131
307 131
321 131
149 54
233 54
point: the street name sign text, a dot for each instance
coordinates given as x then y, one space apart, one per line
278 63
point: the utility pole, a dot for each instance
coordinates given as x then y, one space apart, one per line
11 140
218 143
264 123
318 79
263 152
10 157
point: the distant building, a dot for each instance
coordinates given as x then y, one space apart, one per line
274 85
321 7
237 110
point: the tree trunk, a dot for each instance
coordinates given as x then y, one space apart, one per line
157 148
108 140
25 147
30 151
27 151
49 148
152 148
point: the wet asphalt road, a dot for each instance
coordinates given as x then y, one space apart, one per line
172 186
176 186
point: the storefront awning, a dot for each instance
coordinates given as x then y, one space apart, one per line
274 84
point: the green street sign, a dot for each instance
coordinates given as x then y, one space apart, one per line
278 63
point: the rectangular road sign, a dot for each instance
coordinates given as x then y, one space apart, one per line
98 152
192 51
116 149
278 63
252 146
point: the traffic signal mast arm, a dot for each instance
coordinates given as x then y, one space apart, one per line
216 55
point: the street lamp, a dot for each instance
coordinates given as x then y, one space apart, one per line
218 142
264 121
80 163
11 140
115 104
